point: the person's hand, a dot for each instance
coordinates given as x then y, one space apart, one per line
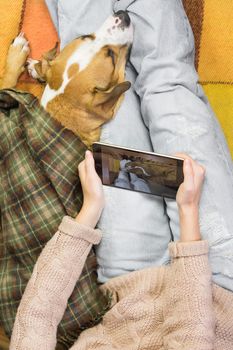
189 192
93 196
188 197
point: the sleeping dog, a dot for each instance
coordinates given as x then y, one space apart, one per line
85 82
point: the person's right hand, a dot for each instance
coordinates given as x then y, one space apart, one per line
93 195
188 197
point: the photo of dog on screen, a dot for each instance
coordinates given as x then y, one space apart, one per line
144 173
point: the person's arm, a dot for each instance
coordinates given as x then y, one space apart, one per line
58 269
188 311
189 317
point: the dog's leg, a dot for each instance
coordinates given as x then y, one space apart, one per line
15 63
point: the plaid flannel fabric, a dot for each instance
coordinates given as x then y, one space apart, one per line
39 185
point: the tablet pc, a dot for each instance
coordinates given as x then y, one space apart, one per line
136 170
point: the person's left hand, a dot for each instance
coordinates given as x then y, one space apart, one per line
188 197
93 195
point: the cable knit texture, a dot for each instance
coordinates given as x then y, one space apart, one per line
159 308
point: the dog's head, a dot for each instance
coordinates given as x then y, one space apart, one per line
90 70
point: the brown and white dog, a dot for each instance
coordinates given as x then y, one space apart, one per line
85 82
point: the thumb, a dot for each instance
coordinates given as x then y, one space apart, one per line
89 162
188 174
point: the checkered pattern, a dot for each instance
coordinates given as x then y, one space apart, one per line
39 185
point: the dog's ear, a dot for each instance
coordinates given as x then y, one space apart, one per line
108 99
41 69
42 66
51 54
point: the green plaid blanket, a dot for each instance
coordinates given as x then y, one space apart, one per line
39 185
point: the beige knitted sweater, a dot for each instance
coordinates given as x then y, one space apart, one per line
169 307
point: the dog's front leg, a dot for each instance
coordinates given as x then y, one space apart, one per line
15 62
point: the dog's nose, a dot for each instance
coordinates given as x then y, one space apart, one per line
124 18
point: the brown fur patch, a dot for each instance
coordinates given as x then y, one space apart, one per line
55 73
74 68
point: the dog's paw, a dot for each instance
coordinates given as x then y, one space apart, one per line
31 68
21 43
17 54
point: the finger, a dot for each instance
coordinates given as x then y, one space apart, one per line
200 175
89 162
197 168
198 171
203 169
188 167
188 174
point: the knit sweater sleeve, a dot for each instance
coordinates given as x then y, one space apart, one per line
52 282
188 313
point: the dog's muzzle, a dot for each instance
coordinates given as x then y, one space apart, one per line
116 30
123 17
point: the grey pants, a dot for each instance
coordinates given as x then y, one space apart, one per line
165 111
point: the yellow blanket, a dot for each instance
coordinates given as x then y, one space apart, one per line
10 14
32 18
212 24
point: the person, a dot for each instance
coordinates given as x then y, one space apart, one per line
166 111
167 307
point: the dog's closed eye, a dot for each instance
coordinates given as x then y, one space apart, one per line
111 54
88 36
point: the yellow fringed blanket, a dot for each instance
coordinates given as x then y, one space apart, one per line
32 18
212 25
